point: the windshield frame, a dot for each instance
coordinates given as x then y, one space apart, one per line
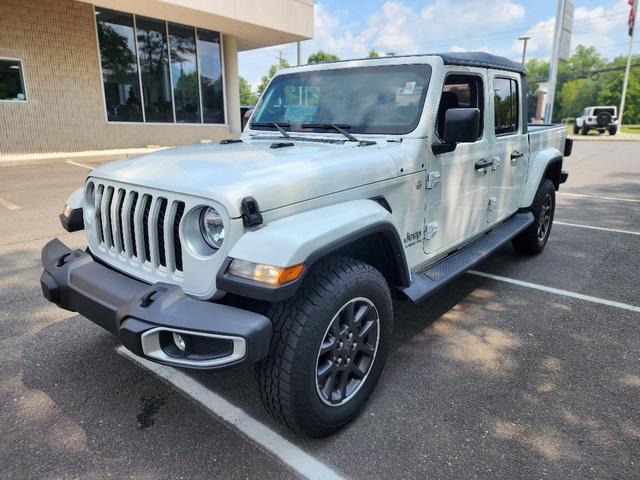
423 69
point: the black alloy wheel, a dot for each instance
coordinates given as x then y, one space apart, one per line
347 351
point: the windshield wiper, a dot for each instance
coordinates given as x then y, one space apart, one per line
276 125
340 128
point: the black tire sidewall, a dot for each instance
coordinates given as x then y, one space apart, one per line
368 284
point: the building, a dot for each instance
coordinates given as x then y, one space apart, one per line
112 74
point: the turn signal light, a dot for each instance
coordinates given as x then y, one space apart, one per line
262 273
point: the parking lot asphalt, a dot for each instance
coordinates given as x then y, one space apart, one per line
486 380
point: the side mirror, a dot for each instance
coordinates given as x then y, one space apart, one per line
461 125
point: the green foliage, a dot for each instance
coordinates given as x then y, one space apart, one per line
264 81
373 54
577 88
322 57
247 97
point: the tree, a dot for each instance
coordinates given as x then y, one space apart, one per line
264 81
322 57
247 97
373 54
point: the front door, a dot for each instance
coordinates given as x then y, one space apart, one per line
457 189
509 149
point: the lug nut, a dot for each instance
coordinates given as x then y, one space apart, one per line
354 346
348 361
340 345
350 335
338 360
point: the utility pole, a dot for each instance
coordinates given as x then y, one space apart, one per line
525 39
626 73
280 58
555 54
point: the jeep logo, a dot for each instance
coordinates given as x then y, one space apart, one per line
412 238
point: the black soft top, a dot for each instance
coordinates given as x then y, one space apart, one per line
482 59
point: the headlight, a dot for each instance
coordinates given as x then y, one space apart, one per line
260 272
212 227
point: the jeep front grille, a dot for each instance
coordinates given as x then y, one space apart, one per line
142 227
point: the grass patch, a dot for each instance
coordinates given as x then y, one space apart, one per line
631 128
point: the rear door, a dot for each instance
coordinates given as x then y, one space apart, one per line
509 145
457 191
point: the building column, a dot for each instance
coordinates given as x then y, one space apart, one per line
232 82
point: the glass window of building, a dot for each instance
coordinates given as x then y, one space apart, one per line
154 68
119 66
151 68
12 80
184 73
211 76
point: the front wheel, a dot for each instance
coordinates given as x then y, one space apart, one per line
329 347
576 129
585 130
534 238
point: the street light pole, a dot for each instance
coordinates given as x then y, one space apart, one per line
553 70
626 73
525 39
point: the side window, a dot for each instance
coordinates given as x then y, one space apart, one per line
460 91
12 80
505 101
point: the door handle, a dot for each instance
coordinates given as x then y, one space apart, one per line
483 163
516 155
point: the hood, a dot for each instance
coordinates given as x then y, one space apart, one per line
275 177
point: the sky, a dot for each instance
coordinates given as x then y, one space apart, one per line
350 28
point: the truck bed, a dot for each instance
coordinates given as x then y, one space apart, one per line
543 136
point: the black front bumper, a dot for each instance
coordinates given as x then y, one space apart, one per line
134 310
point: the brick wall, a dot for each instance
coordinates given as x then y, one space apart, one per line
56 41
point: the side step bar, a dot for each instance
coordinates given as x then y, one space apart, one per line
434 277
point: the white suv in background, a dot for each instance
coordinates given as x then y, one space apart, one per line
597 118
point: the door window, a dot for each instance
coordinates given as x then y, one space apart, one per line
460 91
505 101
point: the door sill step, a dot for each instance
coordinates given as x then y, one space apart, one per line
428 281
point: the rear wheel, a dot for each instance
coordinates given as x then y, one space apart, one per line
534 238
613 131
329 347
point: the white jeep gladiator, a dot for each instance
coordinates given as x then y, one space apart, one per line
602 119
352 180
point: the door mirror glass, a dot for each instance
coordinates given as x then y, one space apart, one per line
461 125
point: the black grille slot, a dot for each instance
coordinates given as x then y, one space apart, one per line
132 227
209 347
177 244
160 229
121 195
146 202
99 213
109 201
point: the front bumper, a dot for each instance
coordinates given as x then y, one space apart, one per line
145 316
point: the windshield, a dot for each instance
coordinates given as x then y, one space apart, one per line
380 99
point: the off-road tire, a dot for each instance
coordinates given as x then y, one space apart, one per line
576 129
287 376
613 131
585 130
530 240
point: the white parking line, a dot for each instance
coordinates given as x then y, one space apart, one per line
615 199
557 291
591 227
9 205
267 439
71 162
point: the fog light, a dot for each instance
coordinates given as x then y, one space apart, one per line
179 341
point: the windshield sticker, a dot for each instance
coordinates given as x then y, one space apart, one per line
409 87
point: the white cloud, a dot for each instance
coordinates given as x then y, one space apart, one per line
599 27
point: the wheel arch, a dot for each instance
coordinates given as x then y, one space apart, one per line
547 164
360 229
